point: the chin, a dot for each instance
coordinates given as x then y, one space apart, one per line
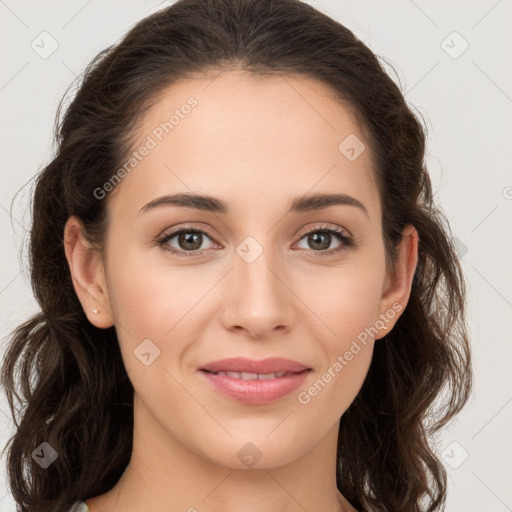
253 452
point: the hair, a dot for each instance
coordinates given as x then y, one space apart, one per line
76 394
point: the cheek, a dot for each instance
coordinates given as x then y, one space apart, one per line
350 314
346 300
348 305
335 386
149 298
149 303
152 312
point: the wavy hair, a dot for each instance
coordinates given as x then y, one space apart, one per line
75 392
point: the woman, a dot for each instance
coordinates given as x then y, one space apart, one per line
249 300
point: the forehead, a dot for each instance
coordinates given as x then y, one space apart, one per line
246 138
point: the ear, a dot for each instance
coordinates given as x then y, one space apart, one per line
397 286
87 273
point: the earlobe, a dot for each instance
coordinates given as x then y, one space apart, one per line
87 273
397 291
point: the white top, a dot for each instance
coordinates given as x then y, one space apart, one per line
79 506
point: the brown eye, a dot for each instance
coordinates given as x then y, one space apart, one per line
187 241
319 240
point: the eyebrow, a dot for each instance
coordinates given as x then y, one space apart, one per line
212 204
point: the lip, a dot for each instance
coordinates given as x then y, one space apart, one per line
256 391
243 364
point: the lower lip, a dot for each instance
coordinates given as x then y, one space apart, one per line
256 391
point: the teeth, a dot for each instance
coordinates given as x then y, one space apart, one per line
264 376
252 376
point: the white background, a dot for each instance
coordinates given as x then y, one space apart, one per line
467 102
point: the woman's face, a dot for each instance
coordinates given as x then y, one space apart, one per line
253 284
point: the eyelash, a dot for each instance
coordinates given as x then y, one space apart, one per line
346 240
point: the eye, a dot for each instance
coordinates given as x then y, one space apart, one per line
321 237
187 239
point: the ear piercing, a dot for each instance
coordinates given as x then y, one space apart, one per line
95 311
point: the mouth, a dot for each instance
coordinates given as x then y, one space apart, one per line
250 369
256 388
255 376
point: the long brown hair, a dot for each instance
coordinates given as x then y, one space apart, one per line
75 393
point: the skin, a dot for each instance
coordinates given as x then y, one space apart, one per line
255 143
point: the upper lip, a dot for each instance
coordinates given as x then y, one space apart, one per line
243 364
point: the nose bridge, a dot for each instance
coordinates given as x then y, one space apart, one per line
257 263
259 300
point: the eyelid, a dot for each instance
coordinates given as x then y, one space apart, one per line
167 235
347 240
329 228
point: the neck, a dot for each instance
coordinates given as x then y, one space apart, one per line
164 475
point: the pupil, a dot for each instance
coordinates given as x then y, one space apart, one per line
315 239
188 238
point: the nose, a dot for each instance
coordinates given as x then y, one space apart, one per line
259 295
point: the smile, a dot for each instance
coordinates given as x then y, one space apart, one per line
255 388
254 376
